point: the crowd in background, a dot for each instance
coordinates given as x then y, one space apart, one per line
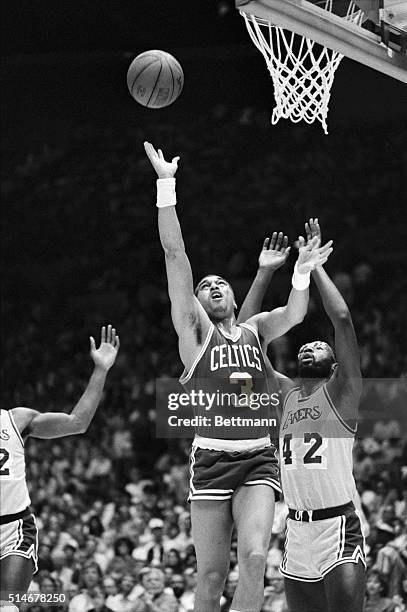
81 248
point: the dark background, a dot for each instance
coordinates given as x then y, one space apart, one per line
65 62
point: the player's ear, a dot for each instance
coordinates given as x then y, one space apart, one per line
334 367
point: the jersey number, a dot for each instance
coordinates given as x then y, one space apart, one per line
4 455
245 382
310 456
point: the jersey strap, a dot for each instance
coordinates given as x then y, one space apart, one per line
337 413
289 394
14 426
187 375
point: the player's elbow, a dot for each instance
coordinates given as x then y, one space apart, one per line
78 427
295 317
343 317
173 251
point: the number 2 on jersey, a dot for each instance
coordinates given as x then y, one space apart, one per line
4 455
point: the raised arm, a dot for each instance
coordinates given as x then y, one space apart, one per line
189 318
347 376
273 324
272 256
59 424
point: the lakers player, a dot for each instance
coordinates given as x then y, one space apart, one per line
323 562
18 532
234 471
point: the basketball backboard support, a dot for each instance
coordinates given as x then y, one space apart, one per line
384 49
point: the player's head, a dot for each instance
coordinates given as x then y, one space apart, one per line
216 296
316 360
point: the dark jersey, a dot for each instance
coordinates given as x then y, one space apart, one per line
229 387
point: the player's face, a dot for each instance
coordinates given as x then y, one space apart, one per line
216 296
315 360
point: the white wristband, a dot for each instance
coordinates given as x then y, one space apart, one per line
300 281
166 195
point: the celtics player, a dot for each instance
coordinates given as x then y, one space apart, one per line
234 470
18 531
324 561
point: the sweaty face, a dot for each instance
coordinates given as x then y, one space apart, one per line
315 360
216 296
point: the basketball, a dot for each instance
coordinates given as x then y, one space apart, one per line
155 79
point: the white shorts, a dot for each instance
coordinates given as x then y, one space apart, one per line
20 537
313 549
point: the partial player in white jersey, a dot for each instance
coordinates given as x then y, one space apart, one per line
18 532
324 559
233 480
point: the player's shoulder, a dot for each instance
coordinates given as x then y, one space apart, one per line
344 389
248 327
21 416
289 388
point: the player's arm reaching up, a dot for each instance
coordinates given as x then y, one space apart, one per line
188 316
272 256
345 386
277 322
58 424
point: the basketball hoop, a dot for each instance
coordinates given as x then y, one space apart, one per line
301 69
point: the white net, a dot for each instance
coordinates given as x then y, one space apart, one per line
302 71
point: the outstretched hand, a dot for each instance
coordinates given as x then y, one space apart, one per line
312 255
163 168
274 252
105 356
312 229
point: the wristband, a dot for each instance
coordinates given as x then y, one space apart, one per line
166 195
300 281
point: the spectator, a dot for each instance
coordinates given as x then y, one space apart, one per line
376 601
90 577
154 598
274 596
173 560
61 570
123 601
99 601
177 584
155 552
187 599
123 561
109 585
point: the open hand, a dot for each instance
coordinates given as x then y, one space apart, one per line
163 168
313 229
105 356
311 255
274 252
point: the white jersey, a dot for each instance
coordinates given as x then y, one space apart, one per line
315 452
14 495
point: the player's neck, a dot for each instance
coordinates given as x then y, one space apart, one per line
308 387
227 325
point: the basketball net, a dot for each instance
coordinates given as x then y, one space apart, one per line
302 71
